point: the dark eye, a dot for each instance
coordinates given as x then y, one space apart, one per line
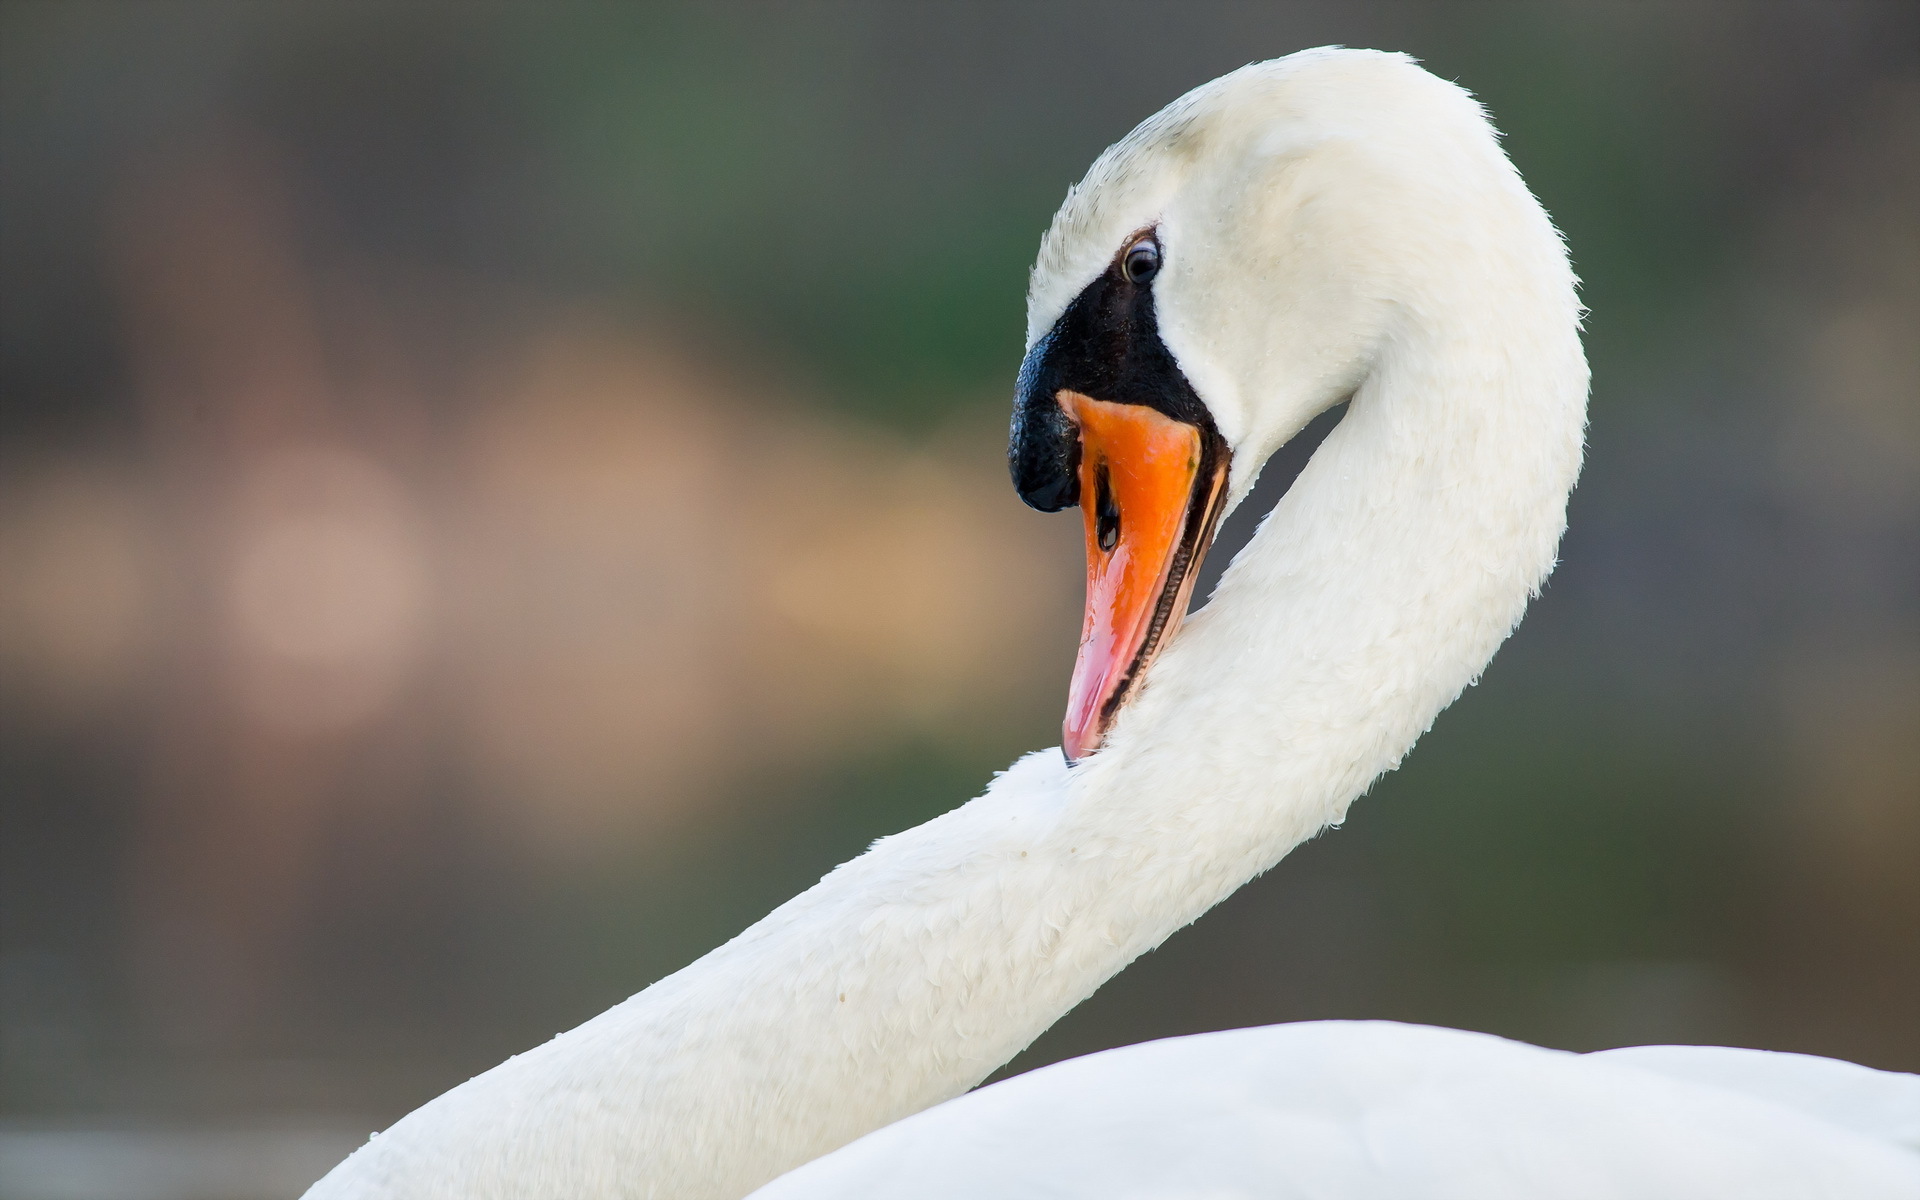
1142 261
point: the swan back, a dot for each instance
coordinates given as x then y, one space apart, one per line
1373 1110
1882 1105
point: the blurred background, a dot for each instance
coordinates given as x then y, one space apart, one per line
493 498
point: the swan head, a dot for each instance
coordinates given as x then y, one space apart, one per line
1224 273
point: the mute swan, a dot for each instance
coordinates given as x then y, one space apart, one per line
1337 224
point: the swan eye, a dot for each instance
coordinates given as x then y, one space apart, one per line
1142 261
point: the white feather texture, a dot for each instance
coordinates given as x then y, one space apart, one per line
1335 224
1372 1110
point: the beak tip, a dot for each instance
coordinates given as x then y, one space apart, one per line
1076 747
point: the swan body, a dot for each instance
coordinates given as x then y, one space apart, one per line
1373 1110
1336 225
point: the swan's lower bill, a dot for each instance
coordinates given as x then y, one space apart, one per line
1151 489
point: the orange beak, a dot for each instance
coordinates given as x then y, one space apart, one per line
1150 492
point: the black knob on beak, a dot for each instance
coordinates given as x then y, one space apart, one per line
1043 451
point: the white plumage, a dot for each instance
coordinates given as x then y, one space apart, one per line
1335 225
1373 1110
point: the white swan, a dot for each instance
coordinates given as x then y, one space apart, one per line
1335 224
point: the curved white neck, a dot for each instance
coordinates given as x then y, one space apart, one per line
1376 591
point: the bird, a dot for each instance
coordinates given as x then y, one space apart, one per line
1338 226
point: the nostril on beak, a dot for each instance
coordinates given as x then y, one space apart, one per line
1106 512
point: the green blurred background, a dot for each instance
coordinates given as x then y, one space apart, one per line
495 497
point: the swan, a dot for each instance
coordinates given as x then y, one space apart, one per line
1337 225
